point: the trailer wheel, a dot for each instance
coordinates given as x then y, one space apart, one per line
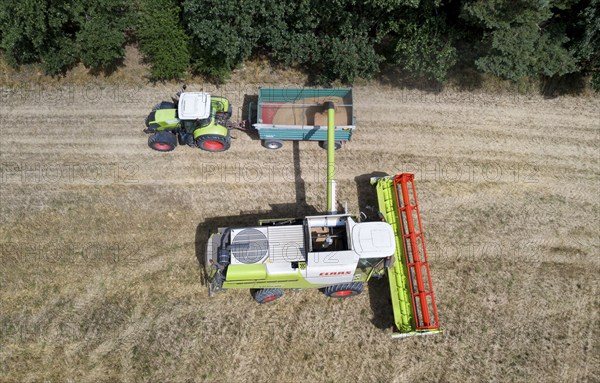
344 290
162 141
213 143
338 145
272 144
266 295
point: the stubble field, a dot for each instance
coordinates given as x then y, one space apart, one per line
100 236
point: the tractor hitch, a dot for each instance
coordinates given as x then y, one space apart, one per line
238 125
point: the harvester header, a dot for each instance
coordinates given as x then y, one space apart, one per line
413 300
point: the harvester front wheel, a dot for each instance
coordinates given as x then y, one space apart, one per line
337 145
344 290
162 141
213 143
266 295
272 144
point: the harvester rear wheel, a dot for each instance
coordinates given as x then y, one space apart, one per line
344 290
213 143
162 141
272 144
338 145
266 295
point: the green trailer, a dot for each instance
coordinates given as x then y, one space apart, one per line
293 114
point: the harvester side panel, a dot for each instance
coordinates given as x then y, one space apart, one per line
294 133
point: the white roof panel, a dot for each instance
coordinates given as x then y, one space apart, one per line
193 105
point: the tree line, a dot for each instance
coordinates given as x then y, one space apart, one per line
331 40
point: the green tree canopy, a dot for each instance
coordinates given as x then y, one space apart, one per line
521 38
163 39
337 40
59 33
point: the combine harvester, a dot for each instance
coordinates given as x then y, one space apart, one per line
333 252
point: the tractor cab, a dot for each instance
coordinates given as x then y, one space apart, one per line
194 106
194 110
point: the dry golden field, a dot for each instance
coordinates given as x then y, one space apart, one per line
99 237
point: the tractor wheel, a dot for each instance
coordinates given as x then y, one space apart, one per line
165 105
344 290
266 295
272 144
338 145
213 143
162 141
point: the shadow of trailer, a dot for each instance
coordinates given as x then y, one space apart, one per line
293 114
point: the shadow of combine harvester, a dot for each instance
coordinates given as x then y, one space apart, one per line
299 208
379 293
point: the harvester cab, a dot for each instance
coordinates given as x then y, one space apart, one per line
196 119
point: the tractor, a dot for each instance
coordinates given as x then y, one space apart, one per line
196 119
334 252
